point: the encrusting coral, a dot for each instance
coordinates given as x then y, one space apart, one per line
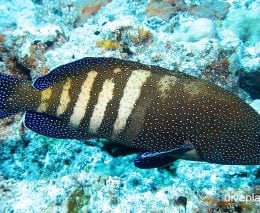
166 8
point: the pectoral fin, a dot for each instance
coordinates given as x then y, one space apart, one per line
150 160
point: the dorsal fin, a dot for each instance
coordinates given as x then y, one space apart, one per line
84 65
70 69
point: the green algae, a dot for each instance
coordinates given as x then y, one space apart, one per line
77 200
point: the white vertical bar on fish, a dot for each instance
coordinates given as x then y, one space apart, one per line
131 93
64 98
80 107
45 97
99 111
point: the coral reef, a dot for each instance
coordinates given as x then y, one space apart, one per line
246 28
69 13
88 8
196 30
208 9
141 36
109 44
165 8
76 201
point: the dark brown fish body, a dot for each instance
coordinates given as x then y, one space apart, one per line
146 107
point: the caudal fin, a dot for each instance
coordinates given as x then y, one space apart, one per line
15 94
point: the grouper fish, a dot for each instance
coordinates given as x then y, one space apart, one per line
165 114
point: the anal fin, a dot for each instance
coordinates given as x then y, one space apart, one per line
4 114
50 126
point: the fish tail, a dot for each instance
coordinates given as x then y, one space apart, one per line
16 95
